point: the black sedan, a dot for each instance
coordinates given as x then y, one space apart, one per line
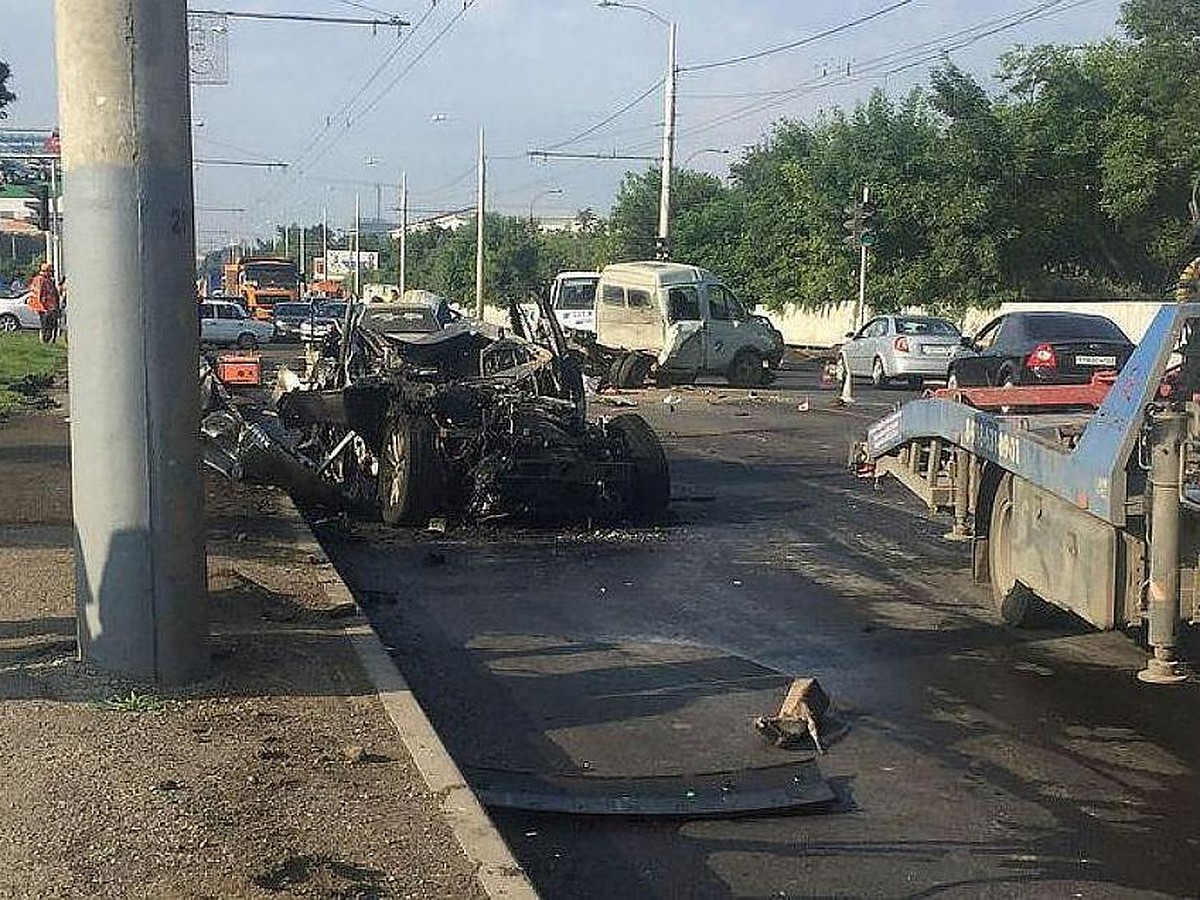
1040 348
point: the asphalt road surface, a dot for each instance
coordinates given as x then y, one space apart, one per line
969 760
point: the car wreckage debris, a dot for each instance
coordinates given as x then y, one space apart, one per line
467 423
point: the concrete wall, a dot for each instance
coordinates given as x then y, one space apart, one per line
828 327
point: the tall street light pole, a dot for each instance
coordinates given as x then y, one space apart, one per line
402 274
663 241
479 214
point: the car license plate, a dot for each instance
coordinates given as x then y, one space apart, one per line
1095 361
938 350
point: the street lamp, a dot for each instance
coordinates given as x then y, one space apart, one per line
668 144
693 155
547 192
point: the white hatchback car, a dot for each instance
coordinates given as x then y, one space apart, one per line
16 314
226 324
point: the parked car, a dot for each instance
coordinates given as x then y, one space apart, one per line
16 314
226 324
679 323
318 327
289 317
901 347
1040 348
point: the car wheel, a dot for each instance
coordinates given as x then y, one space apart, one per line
9 323
1014 603
878 376
410 474
247 341
614 370
650 492
746 370
633 370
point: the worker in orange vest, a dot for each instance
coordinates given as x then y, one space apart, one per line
45 300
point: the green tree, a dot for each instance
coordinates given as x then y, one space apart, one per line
6 96
633 224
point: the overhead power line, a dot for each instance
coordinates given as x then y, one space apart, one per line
250 163
611 117
467 4
353 4
389 22
792 45
551 154
845 26
347 105
895 62
319 153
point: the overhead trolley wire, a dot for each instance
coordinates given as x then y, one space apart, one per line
792 45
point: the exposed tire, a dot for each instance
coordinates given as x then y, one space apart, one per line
1016 604
9 323
746 370
410 474
614 370
650 492
879 377
635 367
247 341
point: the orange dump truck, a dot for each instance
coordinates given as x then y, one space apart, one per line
262 282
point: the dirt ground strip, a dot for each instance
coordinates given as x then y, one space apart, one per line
279 776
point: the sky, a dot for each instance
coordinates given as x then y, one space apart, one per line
351 107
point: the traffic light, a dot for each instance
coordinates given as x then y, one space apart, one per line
40 206
860 227
662 248
866 214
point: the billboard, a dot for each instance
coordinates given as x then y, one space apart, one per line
341 262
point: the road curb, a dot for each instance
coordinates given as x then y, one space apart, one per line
496 869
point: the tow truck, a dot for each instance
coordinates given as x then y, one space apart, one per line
1084 497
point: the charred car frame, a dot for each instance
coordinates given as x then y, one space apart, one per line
467 423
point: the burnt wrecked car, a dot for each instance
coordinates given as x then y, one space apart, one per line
416 420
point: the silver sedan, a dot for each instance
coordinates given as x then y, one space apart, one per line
909 348
15 314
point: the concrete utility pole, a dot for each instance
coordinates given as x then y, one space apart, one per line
402 275
357 265
137 498
668 149
303 277
55 233
663 241
325 241
480 207
861 306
